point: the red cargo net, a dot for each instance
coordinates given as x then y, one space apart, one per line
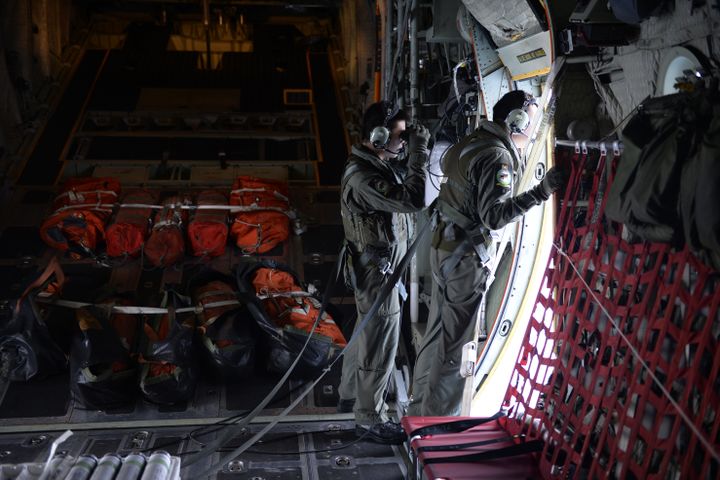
619 369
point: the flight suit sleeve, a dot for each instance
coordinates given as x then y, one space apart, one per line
373 191
496 204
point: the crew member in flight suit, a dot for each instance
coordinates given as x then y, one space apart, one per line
377 196
478 196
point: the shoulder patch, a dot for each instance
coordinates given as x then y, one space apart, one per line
382 186
503 178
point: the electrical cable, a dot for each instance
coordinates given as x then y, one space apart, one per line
385 291
216 444
435 175
223 422
406 15
329 449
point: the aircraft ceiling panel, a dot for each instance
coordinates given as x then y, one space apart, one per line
628 75
506 21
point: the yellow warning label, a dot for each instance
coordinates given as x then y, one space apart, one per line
531 55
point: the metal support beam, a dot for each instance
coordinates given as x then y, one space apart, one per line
413 70
414 281
387 48
206 24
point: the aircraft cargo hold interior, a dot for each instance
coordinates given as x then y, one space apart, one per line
194 204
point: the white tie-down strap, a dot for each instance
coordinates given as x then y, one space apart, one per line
265 296
275 193
108 207
138 310
80 196
102 207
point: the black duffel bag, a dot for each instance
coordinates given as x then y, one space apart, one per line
168 372
227 335
27 349
283 343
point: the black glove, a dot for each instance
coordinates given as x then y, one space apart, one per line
553 180
418 140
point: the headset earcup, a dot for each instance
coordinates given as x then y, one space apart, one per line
518 120
379 137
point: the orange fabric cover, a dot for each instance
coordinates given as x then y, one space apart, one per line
208 229
215 291
298 312
81 210
127 235
260 231
166 244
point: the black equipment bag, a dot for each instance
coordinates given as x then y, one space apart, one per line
700 195
283 344
102 373
226 333
644 194
168 373
27 348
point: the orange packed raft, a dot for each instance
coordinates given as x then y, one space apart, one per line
225 327
285 314
166 244
81 210
290 306
208 230
263 222
127 234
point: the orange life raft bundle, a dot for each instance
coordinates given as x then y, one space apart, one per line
290 306
81 210
226 328
208 229
264 222
127 234
285 314
166 244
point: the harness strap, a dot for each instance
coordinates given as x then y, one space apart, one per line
53 267
509 451
455 426
462 446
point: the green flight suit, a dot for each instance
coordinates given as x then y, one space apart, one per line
376 198
477 197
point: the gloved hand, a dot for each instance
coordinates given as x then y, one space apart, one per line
553 180
418 140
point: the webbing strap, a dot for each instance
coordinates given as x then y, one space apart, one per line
510 451
455 426
351 170
265 296
231 208
452 262
274 192
136 310
462 446
53 267
74 194
214 293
